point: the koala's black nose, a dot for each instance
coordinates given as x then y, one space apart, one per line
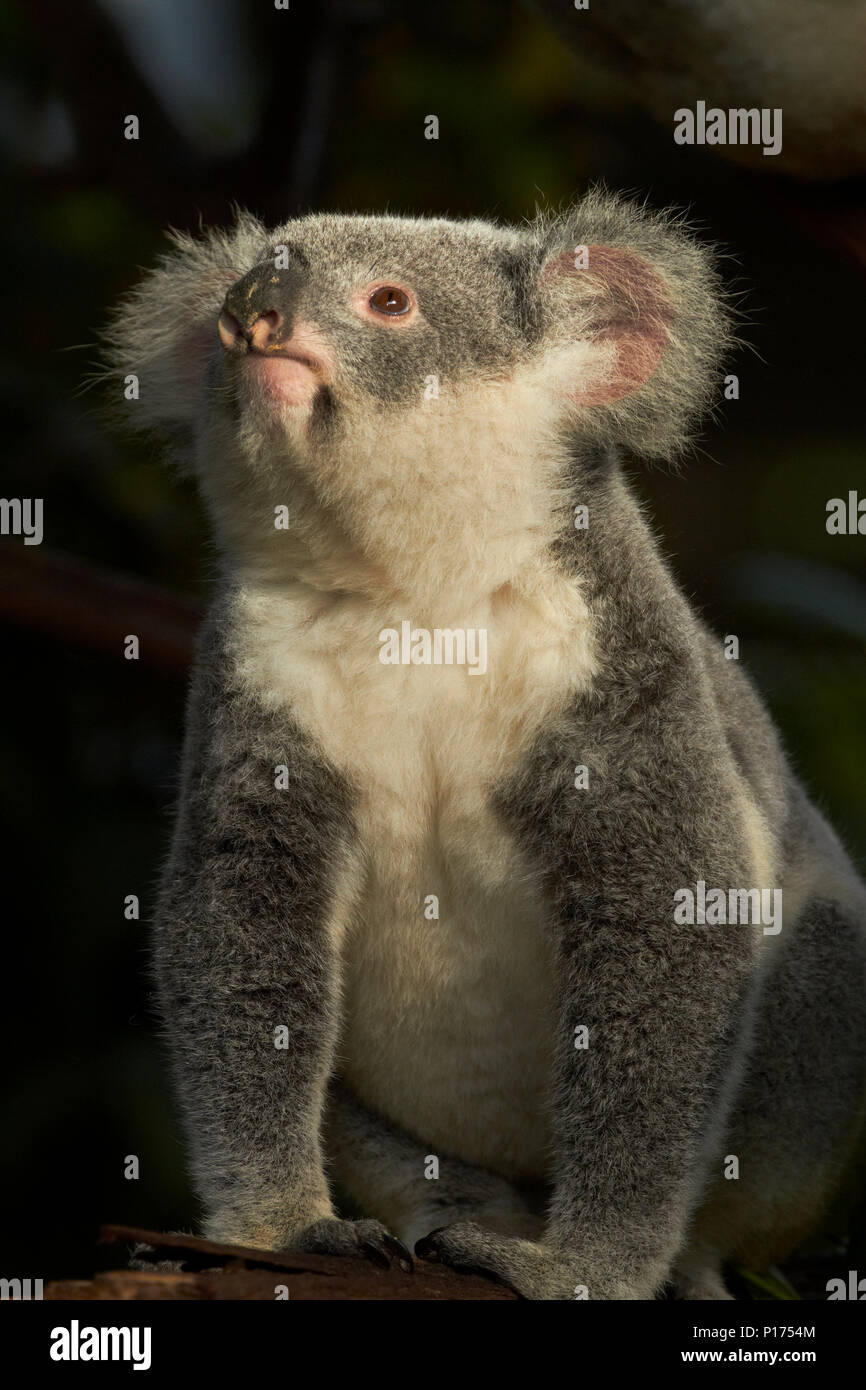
262 333
258 309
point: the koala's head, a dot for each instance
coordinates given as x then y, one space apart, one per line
360 368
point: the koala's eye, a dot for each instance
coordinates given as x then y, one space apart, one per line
389 299
388 304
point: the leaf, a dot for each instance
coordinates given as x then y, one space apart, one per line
772 1284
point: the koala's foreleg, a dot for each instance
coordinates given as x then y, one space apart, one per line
637 1109
246 957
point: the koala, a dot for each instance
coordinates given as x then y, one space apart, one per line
459 754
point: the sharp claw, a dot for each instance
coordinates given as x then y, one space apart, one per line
376 1254
398 1249
425 1248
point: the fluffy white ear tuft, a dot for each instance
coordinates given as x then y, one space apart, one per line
165 330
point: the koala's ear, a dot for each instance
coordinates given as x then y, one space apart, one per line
624 306
164 331
633 316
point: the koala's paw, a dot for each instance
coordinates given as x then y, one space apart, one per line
368 1239
531 1269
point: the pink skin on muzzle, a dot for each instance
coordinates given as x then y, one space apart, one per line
290 371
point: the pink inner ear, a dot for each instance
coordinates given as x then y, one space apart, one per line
635 310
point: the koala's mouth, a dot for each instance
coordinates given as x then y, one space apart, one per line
285 377
280 364
289 356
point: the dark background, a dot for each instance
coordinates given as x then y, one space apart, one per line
323 106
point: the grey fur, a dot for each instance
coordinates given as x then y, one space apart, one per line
703 1043
669 723
240 949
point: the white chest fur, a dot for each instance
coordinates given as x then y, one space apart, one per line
448 995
